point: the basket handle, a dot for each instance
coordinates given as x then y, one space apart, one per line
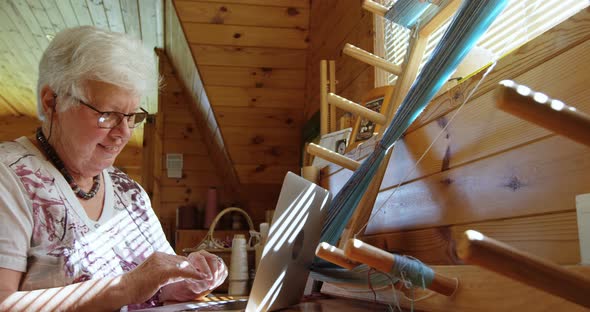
209 236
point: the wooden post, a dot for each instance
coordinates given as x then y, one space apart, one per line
323 97
363 210
335 255
332 157
332 89
538 108
311 173
371 59
383 261
475 248
356 109
375 7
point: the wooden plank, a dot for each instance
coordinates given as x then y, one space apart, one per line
242 14
541 177
97 13
129 156
188 131
182 116
185 194
263 173
253 77
67 13
280 3
57 21
130 14
24 12
148 22
261 136
17 45
40 15
159 23
112 10
184 147
17 126
82 12
191 178
551 236
264 155
249 56
468 139
245 36
255 97
479 290
347 68
259 117
333 21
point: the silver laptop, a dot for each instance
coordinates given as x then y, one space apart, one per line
289 251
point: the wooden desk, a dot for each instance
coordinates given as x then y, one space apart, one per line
332 304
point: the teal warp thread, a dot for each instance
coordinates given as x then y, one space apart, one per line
471 21
413 271
406 12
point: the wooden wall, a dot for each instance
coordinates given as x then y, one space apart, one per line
251 56
333 23
176 131
491 172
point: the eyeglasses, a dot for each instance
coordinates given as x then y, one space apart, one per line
109 120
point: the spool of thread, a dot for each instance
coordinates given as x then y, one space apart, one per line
211 209
311 173
238 269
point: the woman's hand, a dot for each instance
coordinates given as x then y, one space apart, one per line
158 270
215 272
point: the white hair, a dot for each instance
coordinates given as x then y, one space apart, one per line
80 54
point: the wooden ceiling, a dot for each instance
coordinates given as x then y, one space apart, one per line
27 27
251 56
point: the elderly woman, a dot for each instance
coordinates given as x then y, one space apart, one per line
75 232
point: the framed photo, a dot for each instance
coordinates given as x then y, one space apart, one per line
334 141
377 100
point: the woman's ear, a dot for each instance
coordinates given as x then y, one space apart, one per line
48 101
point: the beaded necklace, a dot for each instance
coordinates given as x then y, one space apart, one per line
54 158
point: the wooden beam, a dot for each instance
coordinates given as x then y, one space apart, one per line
332 89
375 7
371 59
384 261
335 255
475 248
179 53
480 290
538 108
355 108
333 157
324 97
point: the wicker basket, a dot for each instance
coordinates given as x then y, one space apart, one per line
215 246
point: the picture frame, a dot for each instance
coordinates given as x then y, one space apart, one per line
377 100
336 142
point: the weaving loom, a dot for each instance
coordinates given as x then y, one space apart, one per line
469 23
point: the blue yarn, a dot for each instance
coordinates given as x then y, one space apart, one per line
412 270
470 22
406 12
